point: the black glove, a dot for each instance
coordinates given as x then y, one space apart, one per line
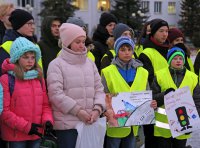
34 129
48 127
169 90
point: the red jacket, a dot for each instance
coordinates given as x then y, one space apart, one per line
28 104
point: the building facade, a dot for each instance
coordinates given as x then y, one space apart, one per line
90 10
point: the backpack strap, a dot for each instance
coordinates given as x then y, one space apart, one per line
11 83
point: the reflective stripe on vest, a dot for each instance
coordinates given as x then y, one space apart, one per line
162 125
157 60
116 84
161 111
190 79
7 46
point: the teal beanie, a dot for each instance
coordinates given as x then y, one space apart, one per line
22 45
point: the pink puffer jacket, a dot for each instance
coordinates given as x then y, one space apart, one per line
28 104
73 83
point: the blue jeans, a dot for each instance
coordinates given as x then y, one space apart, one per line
126 142
25 144
67 138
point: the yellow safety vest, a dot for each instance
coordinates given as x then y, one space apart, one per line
139 50
90 56
116 84
161 128
7 46
190 64
157 60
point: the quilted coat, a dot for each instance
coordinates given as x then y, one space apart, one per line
73 84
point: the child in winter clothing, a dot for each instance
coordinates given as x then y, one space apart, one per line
178 76
74 86
176 38
125 74
119 30
26 111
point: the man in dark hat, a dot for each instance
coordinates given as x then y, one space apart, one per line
104 30
23 26
154 58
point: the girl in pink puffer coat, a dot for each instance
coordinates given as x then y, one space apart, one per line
26 112
74 86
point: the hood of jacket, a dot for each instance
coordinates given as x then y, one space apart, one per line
73 57
46 34
132 63
7 66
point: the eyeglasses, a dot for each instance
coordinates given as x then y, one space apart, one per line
30 24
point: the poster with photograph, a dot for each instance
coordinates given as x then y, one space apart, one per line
181 112
133 108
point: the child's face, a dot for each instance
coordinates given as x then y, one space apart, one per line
125 53
177 40
177 62
78 45
27 60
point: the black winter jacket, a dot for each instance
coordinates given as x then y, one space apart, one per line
100 37
48 44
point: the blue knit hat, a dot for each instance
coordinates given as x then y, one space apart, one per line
22 45
174 51
123 40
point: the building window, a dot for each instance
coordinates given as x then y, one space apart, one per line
103 5
172 7
81 4
24 3
157 7
145 5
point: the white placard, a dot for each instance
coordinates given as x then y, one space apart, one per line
133 108
181 112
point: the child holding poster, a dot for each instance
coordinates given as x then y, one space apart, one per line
123 75
166 80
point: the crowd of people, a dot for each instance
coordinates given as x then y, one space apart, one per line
55 82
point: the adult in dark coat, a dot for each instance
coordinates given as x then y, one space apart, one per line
23 26
49 41
104 30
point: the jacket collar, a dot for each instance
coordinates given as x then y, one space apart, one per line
72 57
